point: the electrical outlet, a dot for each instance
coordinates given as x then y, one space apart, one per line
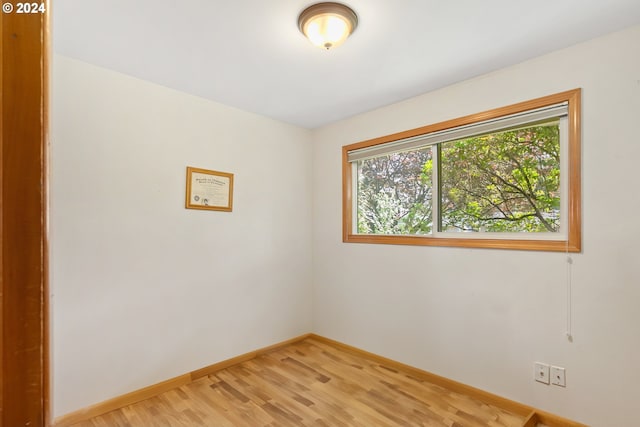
557 376
541 372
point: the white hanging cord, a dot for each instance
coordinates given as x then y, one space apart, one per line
569 261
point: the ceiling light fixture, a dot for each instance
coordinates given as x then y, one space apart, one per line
327 25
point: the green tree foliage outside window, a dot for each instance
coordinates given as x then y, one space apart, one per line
395 194
500 182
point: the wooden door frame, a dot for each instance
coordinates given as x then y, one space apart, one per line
24 323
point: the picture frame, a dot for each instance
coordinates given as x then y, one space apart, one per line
209 190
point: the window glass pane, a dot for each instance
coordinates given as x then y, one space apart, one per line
394 193
502 182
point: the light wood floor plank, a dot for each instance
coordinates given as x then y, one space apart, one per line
309 384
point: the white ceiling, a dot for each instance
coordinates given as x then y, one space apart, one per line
249 54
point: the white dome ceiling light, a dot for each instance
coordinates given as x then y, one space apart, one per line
327 25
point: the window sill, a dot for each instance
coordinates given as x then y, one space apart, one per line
517 244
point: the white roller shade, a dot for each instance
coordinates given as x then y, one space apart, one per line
475 129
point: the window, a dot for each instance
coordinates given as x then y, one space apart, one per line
505 178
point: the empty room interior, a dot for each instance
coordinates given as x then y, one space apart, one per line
339 217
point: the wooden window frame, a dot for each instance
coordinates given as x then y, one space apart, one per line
571 242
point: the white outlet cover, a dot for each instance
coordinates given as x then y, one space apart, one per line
558 376
541 372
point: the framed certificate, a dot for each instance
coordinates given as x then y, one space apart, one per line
209 190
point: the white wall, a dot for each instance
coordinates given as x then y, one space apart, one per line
143 289
484 316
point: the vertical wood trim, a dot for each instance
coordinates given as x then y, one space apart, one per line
3 345
574 239
347 196
45 42
23 230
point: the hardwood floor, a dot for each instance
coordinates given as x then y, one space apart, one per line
309 383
